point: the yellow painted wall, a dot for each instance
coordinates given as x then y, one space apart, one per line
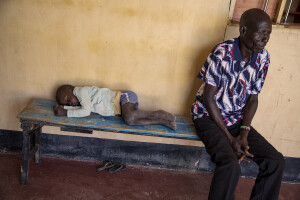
152 47
277 117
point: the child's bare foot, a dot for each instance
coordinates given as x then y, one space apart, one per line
161 114
170 124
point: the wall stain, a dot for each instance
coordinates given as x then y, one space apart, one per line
166 16
129 12
68 2
93 45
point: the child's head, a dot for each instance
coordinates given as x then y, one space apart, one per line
65 96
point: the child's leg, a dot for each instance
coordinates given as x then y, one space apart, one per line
133 116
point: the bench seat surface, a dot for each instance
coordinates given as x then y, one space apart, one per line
42 111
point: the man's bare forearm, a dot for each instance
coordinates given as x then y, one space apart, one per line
213 110
249 112
250 109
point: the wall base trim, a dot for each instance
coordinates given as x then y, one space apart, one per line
136 153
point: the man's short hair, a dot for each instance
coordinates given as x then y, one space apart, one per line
253 16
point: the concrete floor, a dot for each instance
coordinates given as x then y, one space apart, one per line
64 179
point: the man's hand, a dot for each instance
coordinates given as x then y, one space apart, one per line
59 110
249 112
240 147
242 138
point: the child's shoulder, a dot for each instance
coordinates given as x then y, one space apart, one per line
82 90
89 90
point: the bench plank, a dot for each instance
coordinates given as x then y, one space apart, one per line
42 111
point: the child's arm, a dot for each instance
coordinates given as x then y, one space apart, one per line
71 107
85 100
59 110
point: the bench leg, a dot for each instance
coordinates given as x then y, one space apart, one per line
25 153
38 154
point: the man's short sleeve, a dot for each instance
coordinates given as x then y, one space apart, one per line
261 75
211 71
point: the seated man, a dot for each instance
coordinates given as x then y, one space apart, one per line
81 101
225 104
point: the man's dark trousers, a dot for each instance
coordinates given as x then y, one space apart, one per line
227 172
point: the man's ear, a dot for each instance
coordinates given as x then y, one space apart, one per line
243 30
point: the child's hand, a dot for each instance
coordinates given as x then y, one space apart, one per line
55 107
59 110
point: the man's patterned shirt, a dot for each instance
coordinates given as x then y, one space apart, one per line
225 69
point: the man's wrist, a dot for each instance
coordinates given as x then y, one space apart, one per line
244 133
243 127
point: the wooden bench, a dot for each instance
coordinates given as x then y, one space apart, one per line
40 112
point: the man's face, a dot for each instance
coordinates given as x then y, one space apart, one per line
257 36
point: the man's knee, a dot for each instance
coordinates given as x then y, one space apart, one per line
276 164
